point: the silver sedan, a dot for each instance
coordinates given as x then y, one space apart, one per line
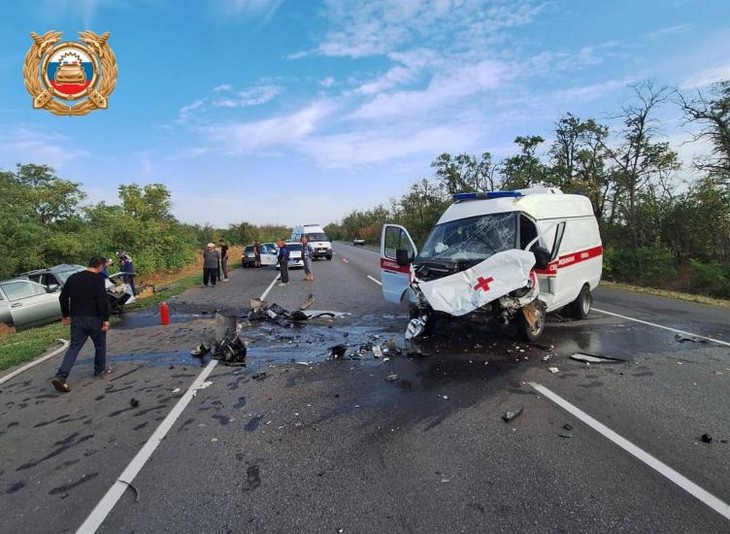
24 304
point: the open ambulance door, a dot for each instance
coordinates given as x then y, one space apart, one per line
397 253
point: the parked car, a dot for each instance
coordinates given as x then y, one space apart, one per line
248 258
24 303
268 254
53 277
295 255
358 241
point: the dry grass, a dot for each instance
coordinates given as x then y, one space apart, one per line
677 295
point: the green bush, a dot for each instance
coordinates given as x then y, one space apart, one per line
709 278
650 266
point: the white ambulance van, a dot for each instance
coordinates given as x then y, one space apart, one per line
504 256
321 244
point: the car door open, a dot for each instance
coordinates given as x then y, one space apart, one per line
397 252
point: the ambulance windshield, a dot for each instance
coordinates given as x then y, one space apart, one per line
472 240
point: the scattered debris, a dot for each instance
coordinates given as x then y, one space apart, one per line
307 364
694 339
338 351
206 384
259 376
176 390
231 350
706 438
415 328
565 435
134 488
509 416
593 358
213 439
200 351
391 378
546 357
134 402
567 426
377 351
445 397
308 302
553 370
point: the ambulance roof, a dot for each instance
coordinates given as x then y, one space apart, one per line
539 203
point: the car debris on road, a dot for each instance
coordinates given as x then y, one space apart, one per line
511 415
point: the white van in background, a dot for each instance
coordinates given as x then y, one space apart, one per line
504 256
321 244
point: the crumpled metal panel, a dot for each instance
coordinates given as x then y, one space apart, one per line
464 292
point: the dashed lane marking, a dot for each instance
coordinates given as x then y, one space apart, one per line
718 341
265 293
687 485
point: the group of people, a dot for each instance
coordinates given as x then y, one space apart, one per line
283 259
215 263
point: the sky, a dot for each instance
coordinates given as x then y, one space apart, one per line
300 111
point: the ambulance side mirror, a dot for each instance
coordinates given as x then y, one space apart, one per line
402 257
542 257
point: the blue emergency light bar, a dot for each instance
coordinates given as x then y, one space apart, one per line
485 195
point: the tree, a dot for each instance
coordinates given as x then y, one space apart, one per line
150 202
638 159
464 173
714 115
525 169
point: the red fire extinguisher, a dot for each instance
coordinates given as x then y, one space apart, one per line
164 313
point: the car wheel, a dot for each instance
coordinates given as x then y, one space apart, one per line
329 257
581 306
531 332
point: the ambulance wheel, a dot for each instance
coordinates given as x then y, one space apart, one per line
531 333
329 257
581 306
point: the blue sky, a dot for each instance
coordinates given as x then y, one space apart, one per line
290 111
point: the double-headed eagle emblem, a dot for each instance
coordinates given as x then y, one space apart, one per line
59 74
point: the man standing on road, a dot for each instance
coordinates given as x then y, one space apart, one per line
257 253
224 259
84 306
283 258
307 258
211 260
126 266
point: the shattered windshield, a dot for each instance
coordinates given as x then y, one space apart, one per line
472 239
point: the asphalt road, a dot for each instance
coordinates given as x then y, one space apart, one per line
321 445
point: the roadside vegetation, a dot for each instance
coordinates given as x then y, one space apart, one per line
664 223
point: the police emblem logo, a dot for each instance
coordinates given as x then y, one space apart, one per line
70 78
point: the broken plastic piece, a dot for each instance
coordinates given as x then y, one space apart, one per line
509 416
706 438
591 358
377 351
391 378
415 328
259 376
134 402
553 370
200 350
694 339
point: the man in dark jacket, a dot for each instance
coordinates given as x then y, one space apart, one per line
84 306
283 258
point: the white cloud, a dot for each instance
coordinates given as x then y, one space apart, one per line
443 90
707 77
669 31
186 112
245 137
254 96
268 7
367 146
327 82
587 93
222 87
28 145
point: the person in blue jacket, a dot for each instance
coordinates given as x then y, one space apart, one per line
127 267
283 258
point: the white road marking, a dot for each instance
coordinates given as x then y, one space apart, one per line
718 341
105 506
263 295
32 364
345 260
376 281
690 487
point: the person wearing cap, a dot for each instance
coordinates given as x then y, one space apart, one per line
211 260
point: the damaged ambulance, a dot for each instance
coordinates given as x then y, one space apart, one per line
507 257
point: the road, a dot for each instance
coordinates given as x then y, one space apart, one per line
299 442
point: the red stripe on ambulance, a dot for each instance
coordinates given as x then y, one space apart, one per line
390 265
571 259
